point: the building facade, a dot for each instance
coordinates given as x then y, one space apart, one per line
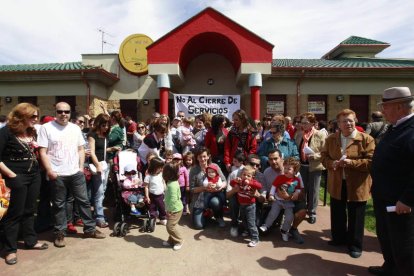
211 54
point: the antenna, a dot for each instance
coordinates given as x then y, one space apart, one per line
103 41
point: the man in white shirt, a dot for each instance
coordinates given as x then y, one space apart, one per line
62 152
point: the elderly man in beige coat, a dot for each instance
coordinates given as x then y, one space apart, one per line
347 156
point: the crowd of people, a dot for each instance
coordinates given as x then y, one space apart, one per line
206 165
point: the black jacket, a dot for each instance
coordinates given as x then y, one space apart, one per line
392 168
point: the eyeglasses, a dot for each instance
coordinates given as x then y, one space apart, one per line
63 111
131 173
34 116
254 164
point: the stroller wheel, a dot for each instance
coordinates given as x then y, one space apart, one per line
117 229
123 229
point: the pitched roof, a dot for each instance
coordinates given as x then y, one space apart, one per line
357 40
356 46
67 66
367 63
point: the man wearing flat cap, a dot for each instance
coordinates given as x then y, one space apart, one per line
392 173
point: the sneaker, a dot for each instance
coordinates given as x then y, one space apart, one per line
71 229
135 212
102 224
234 231
245 233
263 228
285 236
163 222
166 243
253 243
296 236
221 222
59 240
177 246
79 222
96 234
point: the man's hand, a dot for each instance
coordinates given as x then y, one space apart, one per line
402 209
283 194
52 175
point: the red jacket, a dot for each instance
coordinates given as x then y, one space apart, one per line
231 144
210 142
244 196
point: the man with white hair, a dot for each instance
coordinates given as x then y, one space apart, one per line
392 173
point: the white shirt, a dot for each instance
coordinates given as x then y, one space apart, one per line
155 184
62 144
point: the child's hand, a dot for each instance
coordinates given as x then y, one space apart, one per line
238 179
148 200
187 189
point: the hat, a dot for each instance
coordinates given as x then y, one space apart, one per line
47 119
130 168
396 94
177 156
177 118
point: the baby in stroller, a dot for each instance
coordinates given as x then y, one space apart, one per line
133 190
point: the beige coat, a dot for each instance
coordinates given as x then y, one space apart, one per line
358 179
317 143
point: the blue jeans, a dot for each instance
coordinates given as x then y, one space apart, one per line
99 184
215 203
77 186
248 214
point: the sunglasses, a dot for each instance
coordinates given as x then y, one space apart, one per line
254 164
34 117
131 173
273 132
141 127
63 111
81 122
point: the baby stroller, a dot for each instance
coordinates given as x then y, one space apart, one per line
122 210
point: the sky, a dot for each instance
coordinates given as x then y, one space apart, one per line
49 31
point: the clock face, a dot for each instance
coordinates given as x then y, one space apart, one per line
133 53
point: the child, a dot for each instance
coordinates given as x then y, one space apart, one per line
131 194
188 160
154 189
287 183
168 156
183 180
238 161
246 186
214 184
187 137
173 205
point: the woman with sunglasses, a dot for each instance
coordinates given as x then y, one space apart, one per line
20 168
139 135
98 144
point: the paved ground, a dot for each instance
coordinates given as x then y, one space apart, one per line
207 252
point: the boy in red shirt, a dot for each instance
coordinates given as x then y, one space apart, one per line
288 184
246 186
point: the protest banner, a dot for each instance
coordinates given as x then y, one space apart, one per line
193 105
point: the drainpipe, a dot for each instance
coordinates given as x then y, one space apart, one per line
88 89
298 92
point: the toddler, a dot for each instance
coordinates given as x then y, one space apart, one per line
173 205
213 182
131 193
154 190
246 187
287 184
183 180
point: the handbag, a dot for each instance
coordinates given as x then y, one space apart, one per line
103 163
4 197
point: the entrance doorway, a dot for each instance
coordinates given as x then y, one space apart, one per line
360 104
